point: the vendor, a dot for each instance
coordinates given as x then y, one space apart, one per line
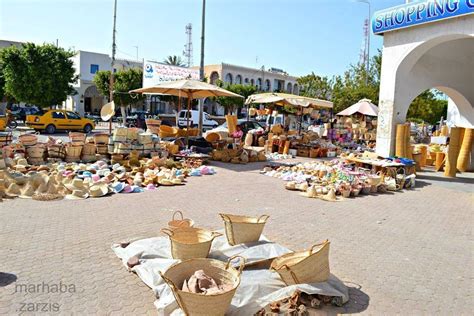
237 134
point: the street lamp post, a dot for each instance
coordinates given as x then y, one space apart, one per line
201 68
368 39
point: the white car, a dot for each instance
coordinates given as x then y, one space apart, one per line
207 122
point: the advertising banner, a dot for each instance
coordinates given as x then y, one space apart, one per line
155 73
420 12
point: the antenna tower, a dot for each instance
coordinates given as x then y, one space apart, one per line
188 48
364 51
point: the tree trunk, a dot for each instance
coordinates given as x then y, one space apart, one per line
124 114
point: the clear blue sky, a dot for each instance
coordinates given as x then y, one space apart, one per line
299 36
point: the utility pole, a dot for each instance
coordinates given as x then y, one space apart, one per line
367 38
201 68
114 47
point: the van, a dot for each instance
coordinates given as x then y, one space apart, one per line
207 122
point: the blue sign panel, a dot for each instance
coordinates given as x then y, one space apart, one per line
418 13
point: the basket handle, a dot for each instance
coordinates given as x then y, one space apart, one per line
241 265
225 217
316 245
265 218
178 212
293 275
167 231
168 281
215 234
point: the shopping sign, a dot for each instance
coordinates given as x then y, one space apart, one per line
420 12
155 73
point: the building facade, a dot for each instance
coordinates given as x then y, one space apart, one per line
87 64
271 80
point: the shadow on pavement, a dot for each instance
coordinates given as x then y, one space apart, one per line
442 178
7 279
358 300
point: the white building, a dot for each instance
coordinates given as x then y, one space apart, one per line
88 98
274 80
427 44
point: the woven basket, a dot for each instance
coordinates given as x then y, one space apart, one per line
101 138
243 229
309 266
167 131
89 149
192 132
73 151
132 133
56 151
199 304
36 151
189 243
213 137
5 138
28 139
180 223
77 138
439 162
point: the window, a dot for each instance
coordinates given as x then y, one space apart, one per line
207 117
73 116
58 115
94 68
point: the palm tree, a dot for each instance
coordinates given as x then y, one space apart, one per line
174 60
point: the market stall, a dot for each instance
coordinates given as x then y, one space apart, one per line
358 124
348 176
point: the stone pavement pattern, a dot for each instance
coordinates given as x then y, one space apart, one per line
409 252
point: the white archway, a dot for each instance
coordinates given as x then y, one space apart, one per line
419 58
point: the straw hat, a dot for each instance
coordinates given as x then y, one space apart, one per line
77 195
107 111
28 191
99 189
75 184
13 190
331 196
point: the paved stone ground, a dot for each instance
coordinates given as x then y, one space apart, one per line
409 252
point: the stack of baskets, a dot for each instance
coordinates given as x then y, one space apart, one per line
146 141
89 152
454 148
74 147
101 141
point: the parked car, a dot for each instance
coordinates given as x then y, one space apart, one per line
22 112
53 120
207 122
244 125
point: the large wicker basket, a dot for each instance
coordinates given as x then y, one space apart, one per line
189 243
180 223
243 229
200 304
167 131
308 266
